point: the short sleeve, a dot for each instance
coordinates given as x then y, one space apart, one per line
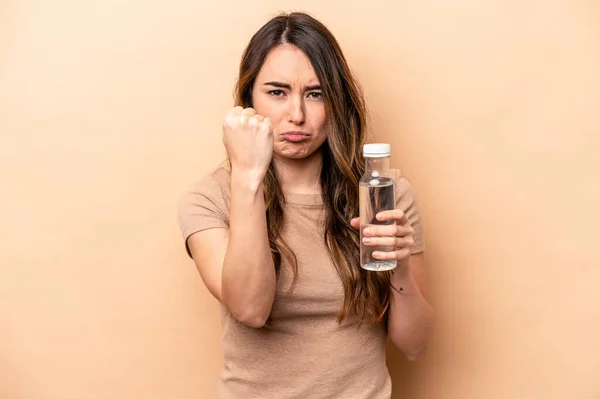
205 205
406 201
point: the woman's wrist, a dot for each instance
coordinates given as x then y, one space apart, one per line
402 280
247 179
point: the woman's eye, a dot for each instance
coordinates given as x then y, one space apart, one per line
316 94
276 93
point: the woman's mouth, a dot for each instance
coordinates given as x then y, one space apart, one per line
295 136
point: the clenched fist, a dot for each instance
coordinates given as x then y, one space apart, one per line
248 139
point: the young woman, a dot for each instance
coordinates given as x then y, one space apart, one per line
274 233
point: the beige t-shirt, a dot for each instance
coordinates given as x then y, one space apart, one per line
302 352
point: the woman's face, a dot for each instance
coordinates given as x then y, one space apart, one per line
288 92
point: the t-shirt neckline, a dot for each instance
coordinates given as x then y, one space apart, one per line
303 199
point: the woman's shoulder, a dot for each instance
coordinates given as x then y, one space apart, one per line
204 205
212 188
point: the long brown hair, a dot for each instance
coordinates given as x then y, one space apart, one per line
366 294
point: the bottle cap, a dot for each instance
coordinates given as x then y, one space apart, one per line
377 150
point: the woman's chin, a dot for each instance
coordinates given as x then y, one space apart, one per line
294 151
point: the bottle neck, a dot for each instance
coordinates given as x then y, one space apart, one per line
377 164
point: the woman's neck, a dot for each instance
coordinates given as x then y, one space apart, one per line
300 176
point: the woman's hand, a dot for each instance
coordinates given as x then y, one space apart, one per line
248 139
399 235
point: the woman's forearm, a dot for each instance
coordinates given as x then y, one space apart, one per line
248 279
410 319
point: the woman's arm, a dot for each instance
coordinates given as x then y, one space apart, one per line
236 264
410 319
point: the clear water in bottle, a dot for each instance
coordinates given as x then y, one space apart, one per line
376 195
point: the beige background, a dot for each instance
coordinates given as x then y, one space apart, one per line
109 110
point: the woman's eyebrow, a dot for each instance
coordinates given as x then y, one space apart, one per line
282 85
